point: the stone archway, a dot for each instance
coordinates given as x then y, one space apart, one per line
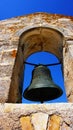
31 41
42 39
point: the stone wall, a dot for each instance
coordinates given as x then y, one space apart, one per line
19 38
22 36
36 117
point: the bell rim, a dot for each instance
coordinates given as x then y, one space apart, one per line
38 94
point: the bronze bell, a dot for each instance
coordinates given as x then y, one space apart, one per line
42 88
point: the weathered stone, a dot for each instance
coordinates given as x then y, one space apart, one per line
6 70
36 117
65 127
70 98
9 124
4 89
54 122
26 123
28 34
68 69
8 56
0 56
19 38
39 121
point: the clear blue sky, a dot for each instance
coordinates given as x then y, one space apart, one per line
13 8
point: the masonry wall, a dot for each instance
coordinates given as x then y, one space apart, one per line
20 37
36 117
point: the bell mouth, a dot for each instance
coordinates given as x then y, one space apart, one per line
42 94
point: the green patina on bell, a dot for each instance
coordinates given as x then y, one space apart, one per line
42 88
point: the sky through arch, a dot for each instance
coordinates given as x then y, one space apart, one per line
56 72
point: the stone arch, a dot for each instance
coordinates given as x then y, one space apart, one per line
33 40
42 39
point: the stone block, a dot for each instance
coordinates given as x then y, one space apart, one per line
54 122
39 120
8 56
6 70
36 116
4 89
26 123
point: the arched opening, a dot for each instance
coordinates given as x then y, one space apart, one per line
34 40
42 39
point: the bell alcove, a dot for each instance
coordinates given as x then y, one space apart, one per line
34 40
43 78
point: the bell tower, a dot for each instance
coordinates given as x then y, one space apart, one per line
19 38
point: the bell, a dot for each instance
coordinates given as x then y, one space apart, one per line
42 88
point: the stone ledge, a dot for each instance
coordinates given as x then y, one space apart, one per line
33 108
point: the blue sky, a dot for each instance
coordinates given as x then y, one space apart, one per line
14 8
9 9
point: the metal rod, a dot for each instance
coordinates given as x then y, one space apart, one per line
30 63
44 65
